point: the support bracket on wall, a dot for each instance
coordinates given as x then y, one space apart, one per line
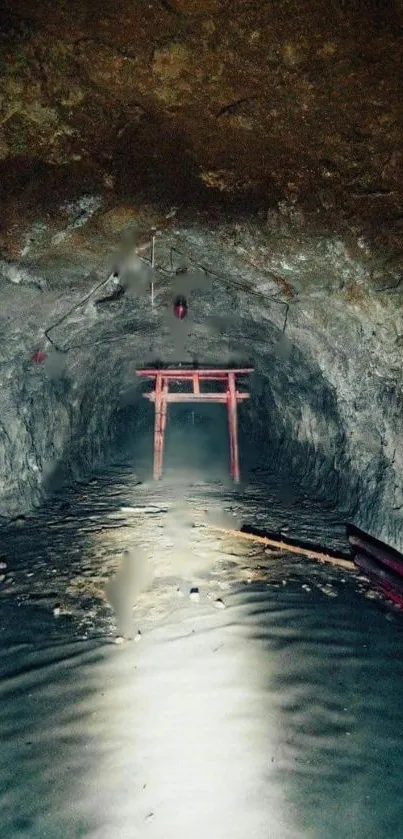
162 396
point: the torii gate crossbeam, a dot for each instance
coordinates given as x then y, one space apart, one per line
161 396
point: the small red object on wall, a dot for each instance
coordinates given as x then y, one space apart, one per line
180 307
38 357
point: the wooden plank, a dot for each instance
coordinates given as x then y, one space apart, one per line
220 398
161 397
183 374
286 547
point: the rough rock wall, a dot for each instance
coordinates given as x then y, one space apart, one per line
294 104
317 319
263 140
331 380
57 415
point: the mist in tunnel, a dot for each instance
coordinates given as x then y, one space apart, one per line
196 443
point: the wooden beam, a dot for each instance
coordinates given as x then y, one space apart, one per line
206 374
164 408
220 398
161 393
157 425
286 547
161 397
233 426
196 383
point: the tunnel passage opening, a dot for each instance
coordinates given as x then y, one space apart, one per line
196 443
289 430
293 426
192 434
192 389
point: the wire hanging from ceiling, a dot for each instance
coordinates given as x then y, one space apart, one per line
220 278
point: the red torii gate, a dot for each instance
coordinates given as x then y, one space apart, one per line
161 396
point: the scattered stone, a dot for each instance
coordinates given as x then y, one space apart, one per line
219 603
330 592
119 639
194 594
56 610
2 578
3 565
138 636
306 588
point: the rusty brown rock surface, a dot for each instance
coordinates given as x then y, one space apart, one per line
263 142
295 103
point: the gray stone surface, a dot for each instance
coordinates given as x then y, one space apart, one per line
313 319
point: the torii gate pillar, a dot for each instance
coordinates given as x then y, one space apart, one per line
161 397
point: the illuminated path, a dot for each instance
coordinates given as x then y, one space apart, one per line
277 717
252 721
196 746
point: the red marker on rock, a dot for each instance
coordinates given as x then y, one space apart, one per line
38 357
180 307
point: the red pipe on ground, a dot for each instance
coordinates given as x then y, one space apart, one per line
388 583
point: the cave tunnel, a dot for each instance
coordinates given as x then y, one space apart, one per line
193 186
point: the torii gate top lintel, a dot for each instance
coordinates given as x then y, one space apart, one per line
161 397
189 372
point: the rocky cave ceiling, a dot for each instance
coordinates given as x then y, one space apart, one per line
263 104
263 141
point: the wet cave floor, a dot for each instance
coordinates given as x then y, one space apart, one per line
265 702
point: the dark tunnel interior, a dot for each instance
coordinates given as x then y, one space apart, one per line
201 270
